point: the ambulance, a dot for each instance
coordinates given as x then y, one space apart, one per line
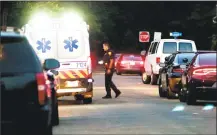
66 39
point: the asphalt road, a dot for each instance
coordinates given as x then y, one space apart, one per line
139 110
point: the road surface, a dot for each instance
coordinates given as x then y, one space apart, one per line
139 110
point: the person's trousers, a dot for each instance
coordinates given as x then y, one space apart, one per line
109 84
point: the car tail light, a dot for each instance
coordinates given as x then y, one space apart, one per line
204 71
89 66
158 60
44 90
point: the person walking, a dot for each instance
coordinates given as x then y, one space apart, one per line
109 61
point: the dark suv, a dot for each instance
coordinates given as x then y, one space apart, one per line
25 88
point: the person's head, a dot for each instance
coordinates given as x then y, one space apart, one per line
106 46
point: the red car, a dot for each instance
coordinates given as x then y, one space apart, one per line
199 80
130 63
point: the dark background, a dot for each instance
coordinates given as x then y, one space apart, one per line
120 22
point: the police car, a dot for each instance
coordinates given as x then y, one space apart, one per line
158 50
67 40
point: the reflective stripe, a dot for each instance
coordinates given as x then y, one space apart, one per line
69 74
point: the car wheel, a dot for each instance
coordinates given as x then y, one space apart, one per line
161 92
145 78
55 111
87 100
191 96
182 97
153 79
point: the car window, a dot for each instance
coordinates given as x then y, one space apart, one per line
169 47
150 48
180 57
127 57
185 47
154 47
18 56
137 58
207 59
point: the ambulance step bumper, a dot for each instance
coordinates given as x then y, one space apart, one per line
71 90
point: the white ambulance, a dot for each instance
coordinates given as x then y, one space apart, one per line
67 40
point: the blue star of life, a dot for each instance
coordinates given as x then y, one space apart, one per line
43 45
71 44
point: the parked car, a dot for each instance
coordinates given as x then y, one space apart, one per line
157 52
199 80
117 56
26 102
171 72
130 63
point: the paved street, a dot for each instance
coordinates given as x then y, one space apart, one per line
139 110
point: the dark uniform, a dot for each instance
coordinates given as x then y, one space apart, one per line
108 56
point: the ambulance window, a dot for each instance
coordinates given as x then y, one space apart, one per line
185 47
169 47
18 56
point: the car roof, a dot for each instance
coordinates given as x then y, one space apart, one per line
11 34
173 40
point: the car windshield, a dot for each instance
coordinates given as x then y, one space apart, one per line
207 59
169 47
180 57
17 56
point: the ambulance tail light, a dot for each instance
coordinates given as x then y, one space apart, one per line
44 90
89 65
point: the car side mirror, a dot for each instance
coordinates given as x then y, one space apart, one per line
50 64
100 62
162 64
185 60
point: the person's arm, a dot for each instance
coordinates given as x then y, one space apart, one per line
111 58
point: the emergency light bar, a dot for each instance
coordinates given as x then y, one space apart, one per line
175 34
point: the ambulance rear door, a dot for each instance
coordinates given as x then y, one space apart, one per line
73 49
43 41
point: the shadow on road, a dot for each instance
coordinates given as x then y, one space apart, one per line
66 102
203 103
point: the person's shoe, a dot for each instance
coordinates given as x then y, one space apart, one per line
106 97
118 94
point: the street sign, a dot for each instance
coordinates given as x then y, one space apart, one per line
144 36
157 36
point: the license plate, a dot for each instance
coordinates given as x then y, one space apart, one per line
214 85
132 63
71 84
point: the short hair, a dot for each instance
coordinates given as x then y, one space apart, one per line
106 44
